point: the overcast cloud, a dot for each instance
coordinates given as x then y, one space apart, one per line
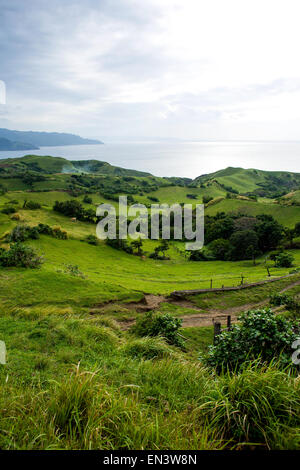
190 69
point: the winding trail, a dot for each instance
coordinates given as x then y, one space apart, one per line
201 317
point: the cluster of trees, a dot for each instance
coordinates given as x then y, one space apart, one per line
73 208
23 232
239 237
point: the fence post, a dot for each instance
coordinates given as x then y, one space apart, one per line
211 283
229 322
242 282
217 331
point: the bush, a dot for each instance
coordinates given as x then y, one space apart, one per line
57 232
20 255
32 205
23 232
207 199
288 301
87 200
259 334
284 260
92 240
159 325
9 210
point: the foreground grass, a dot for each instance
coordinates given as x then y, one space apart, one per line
131 393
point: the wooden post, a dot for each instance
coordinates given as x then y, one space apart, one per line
242 282
217 331
229 322
211 283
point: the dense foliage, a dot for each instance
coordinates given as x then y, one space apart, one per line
20 255
156 324
259 335
73 208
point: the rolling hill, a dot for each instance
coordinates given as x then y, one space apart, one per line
252 181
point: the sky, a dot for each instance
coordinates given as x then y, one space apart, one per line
186 69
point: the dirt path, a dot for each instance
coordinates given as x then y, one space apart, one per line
205 318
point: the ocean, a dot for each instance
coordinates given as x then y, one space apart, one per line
188 159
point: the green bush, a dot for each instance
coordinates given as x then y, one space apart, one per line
92 240
20 255
157 324
259 334
9 210
284 260
23 232
32 205
290 303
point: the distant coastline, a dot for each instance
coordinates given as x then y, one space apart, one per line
12 140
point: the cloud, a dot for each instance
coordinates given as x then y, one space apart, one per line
192 69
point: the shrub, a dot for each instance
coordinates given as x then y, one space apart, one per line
207 199
73 270
59 233
45 229
288 301
32 205
92 240
9 210
284 260
23 232
87 200
20 255
259 334
16 217
159 325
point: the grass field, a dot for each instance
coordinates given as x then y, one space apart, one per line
74 379
286 215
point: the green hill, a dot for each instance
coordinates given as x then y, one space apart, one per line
77 376
252 181
47 164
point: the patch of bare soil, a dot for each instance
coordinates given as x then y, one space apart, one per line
206 318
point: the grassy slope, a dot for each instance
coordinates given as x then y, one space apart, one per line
131 403
288 216
244 180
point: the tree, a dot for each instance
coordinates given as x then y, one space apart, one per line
240 242
220 248
297 229
137 244
269 232
290 235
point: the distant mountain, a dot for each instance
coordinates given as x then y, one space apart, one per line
45 139
9 145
